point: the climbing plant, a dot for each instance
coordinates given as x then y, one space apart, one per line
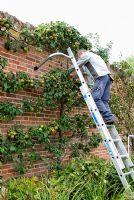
59 92
8 111
50 36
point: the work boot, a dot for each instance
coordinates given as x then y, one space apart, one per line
111 121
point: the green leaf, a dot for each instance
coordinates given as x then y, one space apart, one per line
13 149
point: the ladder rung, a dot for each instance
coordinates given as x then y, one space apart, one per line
109 126
131 166
128 173
85 73
116 140
124 156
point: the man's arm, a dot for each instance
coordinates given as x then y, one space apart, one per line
82 61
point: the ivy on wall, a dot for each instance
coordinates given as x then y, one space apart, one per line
59 92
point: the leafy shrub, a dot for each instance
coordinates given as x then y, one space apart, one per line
52 36
59 36
24 188
80 180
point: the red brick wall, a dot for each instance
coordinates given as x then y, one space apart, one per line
21 61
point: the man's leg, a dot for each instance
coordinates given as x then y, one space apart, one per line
98 92
105 98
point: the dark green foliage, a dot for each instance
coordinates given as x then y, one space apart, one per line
8 111
3 63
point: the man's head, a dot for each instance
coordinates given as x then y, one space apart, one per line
81 52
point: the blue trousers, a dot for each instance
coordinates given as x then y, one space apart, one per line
101 96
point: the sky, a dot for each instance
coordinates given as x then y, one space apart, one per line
112 20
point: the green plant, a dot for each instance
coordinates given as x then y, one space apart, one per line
104 52
82 123
8 111
53 36
27 105
3 62
59 92
24 189
6 22
30 105
13 147
80 179
59 36
12 82
130 61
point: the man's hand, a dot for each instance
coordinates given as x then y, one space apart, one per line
73 75
72 72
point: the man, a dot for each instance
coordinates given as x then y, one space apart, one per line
101 88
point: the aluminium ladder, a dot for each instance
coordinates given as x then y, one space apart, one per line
112 140
117 151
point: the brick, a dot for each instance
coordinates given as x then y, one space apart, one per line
30 58
14 62
20 68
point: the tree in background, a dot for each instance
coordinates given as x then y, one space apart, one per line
130 60
122 96
104 52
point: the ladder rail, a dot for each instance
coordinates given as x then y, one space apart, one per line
94 111
103 129
122 151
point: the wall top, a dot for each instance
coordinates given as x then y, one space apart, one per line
18 25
